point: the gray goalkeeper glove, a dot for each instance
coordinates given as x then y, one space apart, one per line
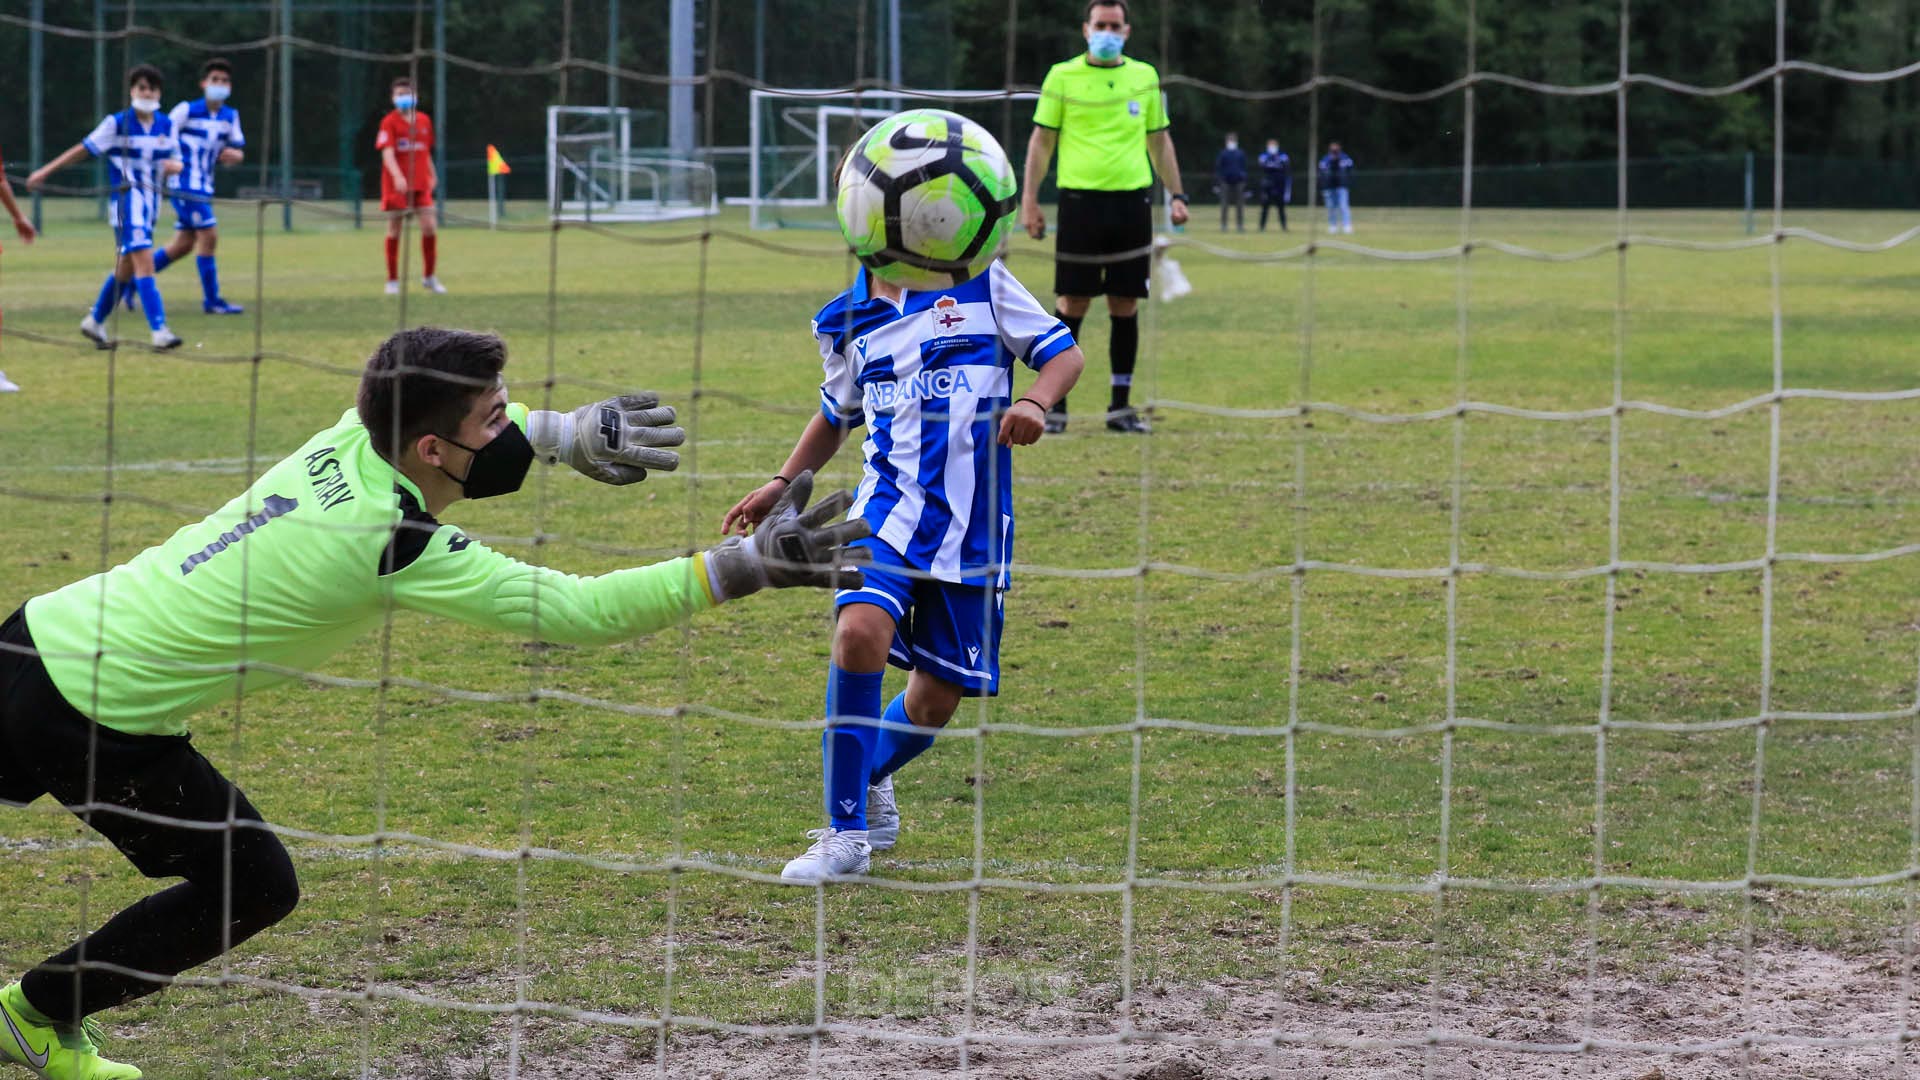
793 546
614 441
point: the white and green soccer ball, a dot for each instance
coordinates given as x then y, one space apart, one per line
925 199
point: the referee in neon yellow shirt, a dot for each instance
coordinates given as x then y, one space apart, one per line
1102 110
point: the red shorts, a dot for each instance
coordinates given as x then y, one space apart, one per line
414 199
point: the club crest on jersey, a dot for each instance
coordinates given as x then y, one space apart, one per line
1133 108
946 312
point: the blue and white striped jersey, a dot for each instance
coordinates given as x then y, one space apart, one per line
930 378
203 130
132 149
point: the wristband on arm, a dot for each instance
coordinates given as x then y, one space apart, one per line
1043 409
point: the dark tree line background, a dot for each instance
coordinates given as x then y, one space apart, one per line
1244 45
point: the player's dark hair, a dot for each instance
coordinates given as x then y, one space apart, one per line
148 72
400 81
423 381
218 63
1125 15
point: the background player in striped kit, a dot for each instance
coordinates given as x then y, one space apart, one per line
138 145
208 133
931 376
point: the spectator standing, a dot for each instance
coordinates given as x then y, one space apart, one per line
1230 177
1276 183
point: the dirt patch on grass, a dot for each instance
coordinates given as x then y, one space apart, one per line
1214 1031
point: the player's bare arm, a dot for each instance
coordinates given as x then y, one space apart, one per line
20 223
394 173
819 441
76 152
1167 164
232 156
1025 421
1040 147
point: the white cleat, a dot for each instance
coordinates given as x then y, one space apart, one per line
432 285
8 386
883 816
835 853
95 331
393 288
164 338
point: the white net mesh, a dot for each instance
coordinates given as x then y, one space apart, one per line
609 175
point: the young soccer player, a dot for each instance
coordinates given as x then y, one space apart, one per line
407 181
139 147
99 679
25 228
930 374
208 131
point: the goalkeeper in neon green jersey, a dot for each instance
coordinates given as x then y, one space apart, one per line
98 679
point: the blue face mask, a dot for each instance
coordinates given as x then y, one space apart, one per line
403 102
1105 44
218 92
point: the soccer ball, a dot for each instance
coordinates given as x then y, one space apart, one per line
925 198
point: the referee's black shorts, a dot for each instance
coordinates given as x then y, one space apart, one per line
1096 226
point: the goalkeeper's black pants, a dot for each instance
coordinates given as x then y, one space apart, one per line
239 879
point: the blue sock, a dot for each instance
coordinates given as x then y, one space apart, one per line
109 293
161 260
895 748
209 277
846 750
150 301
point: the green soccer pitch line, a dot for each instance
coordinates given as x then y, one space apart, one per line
1219 495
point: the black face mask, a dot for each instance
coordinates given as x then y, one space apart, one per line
498 468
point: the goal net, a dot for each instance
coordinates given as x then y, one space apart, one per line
795 137
594 172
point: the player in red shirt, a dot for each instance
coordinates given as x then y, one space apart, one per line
407 181
25 228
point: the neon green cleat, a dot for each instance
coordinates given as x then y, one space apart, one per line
54 1051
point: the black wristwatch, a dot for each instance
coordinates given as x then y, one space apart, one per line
1178 197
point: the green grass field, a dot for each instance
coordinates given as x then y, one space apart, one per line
1210 493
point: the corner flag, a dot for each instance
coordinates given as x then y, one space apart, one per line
496 165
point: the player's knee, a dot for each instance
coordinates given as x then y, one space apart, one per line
207 241
1074 307
1122 306
861 638
266 889
931 700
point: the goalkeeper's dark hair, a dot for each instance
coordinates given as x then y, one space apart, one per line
423 382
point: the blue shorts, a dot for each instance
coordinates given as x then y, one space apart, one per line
949 629
131 214
194 211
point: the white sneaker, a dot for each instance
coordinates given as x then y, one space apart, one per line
883 816
164 338
95 331
8 386
393 288
835 853
432 285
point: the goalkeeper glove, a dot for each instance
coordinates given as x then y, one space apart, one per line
614 441
793 546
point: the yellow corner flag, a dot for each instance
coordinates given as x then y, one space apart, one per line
496 165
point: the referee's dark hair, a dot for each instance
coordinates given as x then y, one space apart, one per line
1125 15
423 381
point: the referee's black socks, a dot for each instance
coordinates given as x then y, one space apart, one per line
1125 350
1073 327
